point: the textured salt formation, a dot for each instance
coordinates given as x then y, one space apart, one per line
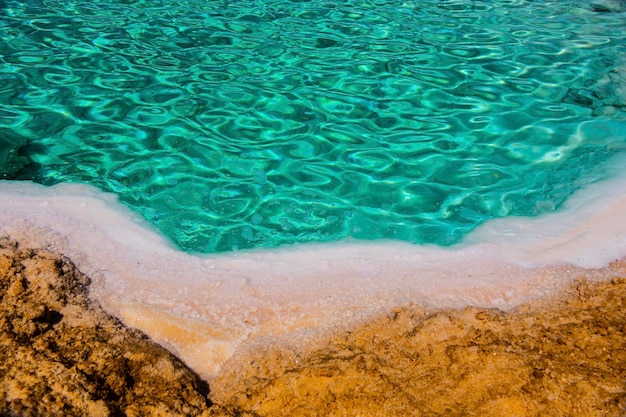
214 305
563 356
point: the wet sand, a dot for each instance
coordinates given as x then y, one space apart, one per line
562 355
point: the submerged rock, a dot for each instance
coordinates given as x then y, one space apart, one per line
11 161
607 6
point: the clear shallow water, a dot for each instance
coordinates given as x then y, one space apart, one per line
244 124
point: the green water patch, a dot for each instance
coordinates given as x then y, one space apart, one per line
234 125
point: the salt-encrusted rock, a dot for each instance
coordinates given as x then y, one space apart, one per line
562 357
61 355
565 356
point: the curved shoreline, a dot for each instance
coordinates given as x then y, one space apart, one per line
563 355
206 308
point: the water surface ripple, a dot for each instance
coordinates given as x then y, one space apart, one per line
233 125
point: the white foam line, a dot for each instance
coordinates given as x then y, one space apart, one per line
204 307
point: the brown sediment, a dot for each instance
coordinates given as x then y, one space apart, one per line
564 356
62 355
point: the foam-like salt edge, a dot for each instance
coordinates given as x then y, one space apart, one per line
204 307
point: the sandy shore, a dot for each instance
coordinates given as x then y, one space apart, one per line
560 356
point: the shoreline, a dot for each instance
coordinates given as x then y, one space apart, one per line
212 306
562 354
102 315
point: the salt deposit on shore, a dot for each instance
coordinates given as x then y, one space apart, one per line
205 307
60 354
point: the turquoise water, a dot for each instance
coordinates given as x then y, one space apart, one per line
242 124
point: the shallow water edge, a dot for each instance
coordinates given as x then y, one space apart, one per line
204 308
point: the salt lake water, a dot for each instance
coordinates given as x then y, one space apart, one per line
365 154
233 125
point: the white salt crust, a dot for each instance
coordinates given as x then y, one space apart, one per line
204 307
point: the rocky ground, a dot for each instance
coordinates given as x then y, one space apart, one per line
62 355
